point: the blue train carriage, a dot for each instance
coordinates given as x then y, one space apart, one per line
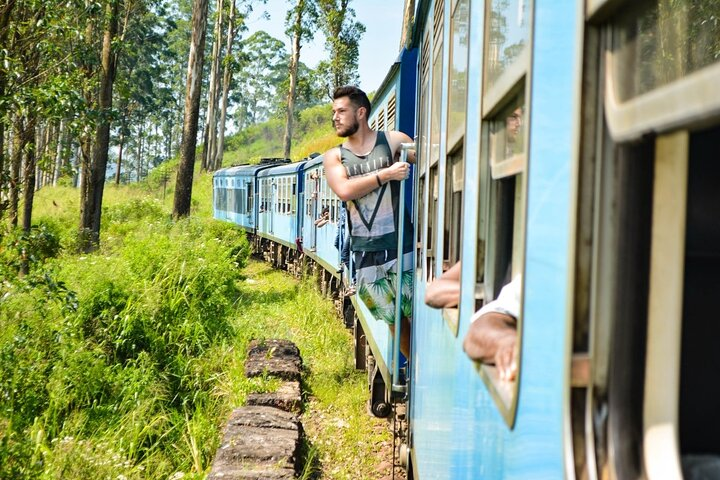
320 215
235 195
393 108
497 122
280 216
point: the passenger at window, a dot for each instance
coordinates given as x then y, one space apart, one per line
324 217
513 125
492 336
364 173
444 291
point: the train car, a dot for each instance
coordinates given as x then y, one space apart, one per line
235 193
321 214
280 219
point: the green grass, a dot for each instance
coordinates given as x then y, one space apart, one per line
126 362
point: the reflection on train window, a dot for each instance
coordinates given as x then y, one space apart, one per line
432 221
457 76
507 35
507 139
660 41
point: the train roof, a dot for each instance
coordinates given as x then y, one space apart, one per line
314 162
247 170
283 169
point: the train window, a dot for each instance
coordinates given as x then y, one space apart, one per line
421 215
507 140
457 76
660 41
424 102
663 67
437 79
238 198
293 197
452 228
249 197
453 207
506 48
434 193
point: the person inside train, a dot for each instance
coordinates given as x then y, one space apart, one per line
492 336
324 217
444 291
364 172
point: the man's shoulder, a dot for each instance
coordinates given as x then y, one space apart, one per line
332 155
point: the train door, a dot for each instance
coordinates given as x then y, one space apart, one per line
314 207
645 399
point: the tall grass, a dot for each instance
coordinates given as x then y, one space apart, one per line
109 362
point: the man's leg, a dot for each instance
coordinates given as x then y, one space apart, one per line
404 336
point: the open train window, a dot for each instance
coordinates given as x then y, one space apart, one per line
501 216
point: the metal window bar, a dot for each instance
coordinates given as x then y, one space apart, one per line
396 385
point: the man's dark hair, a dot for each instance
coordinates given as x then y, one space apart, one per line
357 97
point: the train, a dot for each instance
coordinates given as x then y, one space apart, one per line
569 143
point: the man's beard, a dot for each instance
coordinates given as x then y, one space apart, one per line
349 130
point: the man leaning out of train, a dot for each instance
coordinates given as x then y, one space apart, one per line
364 172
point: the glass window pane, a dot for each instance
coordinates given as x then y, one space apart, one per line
507 36
458 72
660 41
507 132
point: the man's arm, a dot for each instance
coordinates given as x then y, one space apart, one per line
444 291
492 339
351 188
396 139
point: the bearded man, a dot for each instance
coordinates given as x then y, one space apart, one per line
364 171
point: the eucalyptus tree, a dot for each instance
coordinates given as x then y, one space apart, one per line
183 187
93 188
343 35
36 86
209 137
300 21
263 67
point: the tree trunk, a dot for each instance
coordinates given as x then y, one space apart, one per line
93 209
59 153
183 188
28 146
227 78
120 154
294 62
16 161
208 153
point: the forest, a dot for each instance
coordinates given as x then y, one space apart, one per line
98 91
125 308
